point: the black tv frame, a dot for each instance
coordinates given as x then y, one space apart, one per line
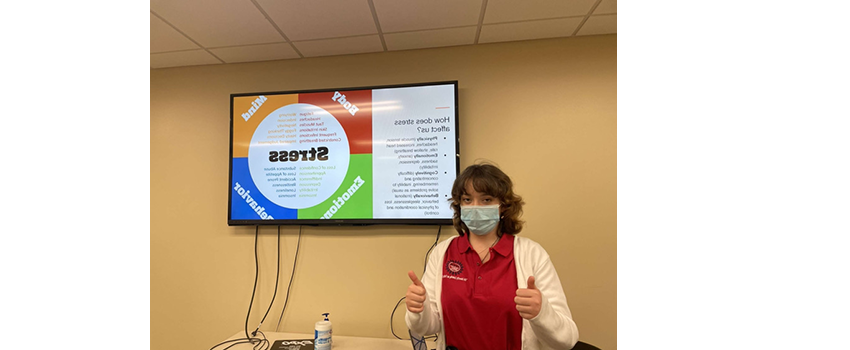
338 222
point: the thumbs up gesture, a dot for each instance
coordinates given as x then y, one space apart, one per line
415 297
528 300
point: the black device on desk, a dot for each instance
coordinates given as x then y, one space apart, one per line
293 344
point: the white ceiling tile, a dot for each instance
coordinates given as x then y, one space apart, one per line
238 30
253 53
320 19
182 58
606 24
164 38
431 38
550 28
606 7
499 11
398 16
216 23
341 46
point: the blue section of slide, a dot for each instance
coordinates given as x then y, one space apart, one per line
240 208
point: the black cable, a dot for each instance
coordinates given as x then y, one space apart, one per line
434 337
227 341
294 263
247 339
432 247
260 344
440 229
251 341
240 341
276 279
393 330
256 274
391 319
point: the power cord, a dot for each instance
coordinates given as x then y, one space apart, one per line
294 263
276 280
256 274
440 229
432 247
263 344
259 344
392 317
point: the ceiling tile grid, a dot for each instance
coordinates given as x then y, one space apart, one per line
606 7
254 53
595 25
320 19
399 16
340 46
431 38
499 11
168 38
218 23
182 58
200 32
529 30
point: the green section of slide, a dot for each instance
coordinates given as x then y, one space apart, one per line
359 202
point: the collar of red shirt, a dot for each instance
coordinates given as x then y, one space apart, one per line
503 247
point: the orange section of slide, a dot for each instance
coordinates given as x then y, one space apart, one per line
244 107
358 126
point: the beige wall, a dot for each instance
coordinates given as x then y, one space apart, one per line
544 110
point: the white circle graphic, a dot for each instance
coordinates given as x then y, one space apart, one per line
298 156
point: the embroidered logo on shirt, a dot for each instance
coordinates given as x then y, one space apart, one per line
454 267
455 278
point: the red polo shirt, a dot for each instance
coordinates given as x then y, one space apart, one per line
479 311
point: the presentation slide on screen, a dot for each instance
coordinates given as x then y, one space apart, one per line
357 154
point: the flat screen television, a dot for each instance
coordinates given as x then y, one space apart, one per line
344 156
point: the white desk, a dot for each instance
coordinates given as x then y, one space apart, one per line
341 342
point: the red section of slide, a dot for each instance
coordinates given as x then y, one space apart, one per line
358 126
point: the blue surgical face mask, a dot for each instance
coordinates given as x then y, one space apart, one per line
480 219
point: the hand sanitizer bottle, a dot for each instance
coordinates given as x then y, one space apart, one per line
324 331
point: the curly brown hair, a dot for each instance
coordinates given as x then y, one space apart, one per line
490 180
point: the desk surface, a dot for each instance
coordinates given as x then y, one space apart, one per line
341 342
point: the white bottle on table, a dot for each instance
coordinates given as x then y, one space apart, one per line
323 337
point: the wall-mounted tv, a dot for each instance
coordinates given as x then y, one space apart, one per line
340 156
